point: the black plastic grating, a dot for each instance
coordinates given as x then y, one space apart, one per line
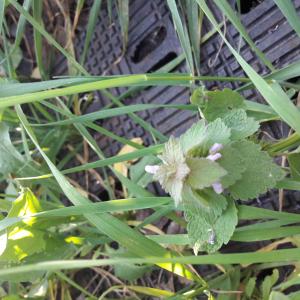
266 26
152 39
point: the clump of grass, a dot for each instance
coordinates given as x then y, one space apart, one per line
52 226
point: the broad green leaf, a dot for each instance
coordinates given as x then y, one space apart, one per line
203 172
127 271
202 210
206 204
130 272
232 161
201 136
55 248
22 243
25 205
241 126
209 230
224 227
216 104
261 173
294 163
23 240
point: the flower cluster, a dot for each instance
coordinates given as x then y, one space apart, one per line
174 169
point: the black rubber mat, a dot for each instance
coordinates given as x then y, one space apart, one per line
153 42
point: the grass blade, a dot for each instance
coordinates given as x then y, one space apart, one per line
94 12
230 14
47 36
102 207
182 34
123 13
292 255
135 242
289 11
21 25
112 112
194 26
273 94
107 161
2 9
38 41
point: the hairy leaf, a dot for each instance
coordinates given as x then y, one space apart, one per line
204 204
240 124
204 136
216 104
172 172
209 231
232 161
203 172
260 175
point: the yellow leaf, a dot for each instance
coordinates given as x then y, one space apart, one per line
122 167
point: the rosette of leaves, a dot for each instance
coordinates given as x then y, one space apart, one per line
211 165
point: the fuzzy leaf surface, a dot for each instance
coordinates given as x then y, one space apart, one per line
209 227
216 104
261 172
200 137
240 124
232 161
203 172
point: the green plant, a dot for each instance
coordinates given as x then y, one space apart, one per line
219 160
